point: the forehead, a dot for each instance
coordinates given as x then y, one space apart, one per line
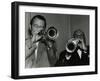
38 21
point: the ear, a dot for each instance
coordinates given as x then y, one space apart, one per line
29 30
30 27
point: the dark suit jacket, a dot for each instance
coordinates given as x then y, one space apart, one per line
75 59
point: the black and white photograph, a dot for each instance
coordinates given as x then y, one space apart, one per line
51 40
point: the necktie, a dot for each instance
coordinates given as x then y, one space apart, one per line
35 55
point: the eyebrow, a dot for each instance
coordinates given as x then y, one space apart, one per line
37 25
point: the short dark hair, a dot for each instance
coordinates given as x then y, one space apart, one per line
39 17
31 22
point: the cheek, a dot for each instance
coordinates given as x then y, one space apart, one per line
34 29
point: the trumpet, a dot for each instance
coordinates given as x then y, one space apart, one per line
72 45
49 36
52 33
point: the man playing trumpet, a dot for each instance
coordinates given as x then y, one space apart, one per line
39 52
76 52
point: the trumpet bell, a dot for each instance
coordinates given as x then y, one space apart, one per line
72 45
52 33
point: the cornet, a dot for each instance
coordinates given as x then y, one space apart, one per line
49 36
72 45
52 33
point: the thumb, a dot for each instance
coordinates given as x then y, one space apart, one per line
33 38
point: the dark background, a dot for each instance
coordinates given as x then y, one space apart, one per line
66 24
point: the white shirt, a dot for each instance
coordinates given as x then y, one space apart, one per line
79 53
67 57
